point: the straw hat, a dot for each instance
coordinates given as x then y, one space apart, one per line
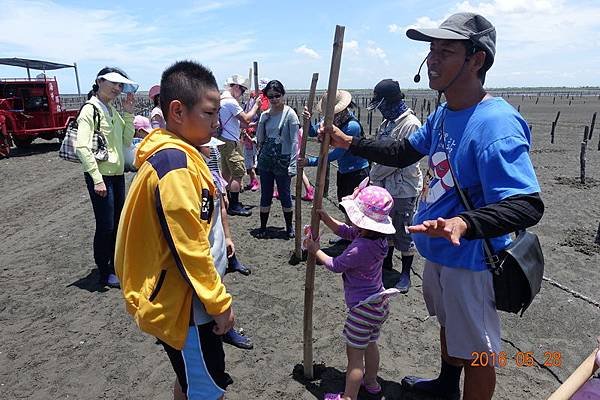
342 100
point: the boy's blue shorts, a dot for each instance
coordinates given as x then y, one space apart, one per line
200 365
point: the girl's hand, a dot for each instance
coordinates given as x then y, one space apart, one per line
302 162
311 246
306 113
128 103
100 189
323 216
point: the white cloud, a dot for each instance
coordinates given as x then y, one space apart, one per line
97 37
352 47
376 51
202 7
307 51
393 28
422 22
562 35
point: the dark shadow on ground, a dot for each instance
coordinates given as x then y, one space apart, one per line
91 283
332 380
272 233
35 148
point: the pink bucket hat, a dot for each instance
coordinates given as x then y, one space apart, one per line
154 90
369 208
141 122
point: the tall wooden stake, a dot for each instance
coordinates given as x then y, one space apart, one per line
309 287
302 154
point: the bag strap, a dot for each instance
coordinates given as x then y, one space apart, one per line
492 260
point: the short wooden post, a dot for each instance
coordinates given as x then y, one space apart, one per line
592 126
597 240
582 158
552 132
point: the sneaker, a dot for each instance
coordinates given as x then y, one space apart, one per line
309 195
372 389
403 283
254 185
238 210
238 339
112 281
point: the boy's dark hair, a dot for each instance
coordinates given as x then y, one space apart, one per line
184 81
104 71
275 86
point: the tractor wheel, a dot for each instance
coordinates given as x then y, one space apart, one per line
4 146
22 142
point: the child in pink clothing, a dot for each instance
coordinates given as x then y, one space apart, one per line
361 263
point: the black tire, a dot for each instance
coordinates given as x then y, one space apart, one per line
22 142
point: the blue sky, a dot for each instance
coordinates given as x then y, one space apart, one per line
540 42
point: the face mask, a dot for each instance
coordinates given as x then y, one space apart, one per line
391 111
340 118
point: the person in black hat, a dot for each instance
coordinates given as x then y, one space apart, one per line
482 143
404 184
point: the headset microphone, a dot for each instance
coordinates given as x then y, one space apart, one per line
417 77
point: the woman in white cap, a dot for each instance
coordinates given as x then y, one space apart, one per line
157 120
104 178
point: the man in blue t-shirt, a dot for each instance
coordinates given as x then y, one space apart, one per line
485 143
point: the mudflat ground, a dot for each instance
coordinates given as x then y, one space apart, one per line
63 336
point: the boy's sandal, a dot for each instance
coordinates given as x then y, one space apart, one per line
372 389
333 396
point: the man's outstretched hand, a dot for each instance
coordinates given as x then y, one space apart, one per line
452 229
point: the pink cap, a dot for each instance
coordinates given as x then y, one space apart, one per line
140 122
154 90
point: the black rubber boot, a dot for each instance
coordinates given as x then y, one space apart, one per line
388 262
264 218
289 228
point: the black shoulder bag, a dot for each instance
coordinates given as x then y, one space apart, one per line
517 270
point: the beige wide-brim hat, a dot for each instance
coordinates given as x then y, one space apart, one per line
342 100
237 80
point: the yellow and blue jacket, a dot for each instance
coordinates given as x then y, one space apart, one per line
162 254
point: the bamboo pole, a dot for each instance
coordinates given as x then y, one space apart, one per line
302 154
336 59
576 380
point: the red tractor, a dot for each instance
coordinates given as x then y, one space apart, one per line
31 107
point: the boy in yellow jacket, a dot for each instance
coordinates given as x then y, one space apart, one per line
163 255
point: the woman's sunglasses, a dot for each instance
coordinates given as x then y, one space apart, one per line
274 96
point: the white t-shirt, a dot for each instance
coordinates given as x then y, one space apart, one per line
230 108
